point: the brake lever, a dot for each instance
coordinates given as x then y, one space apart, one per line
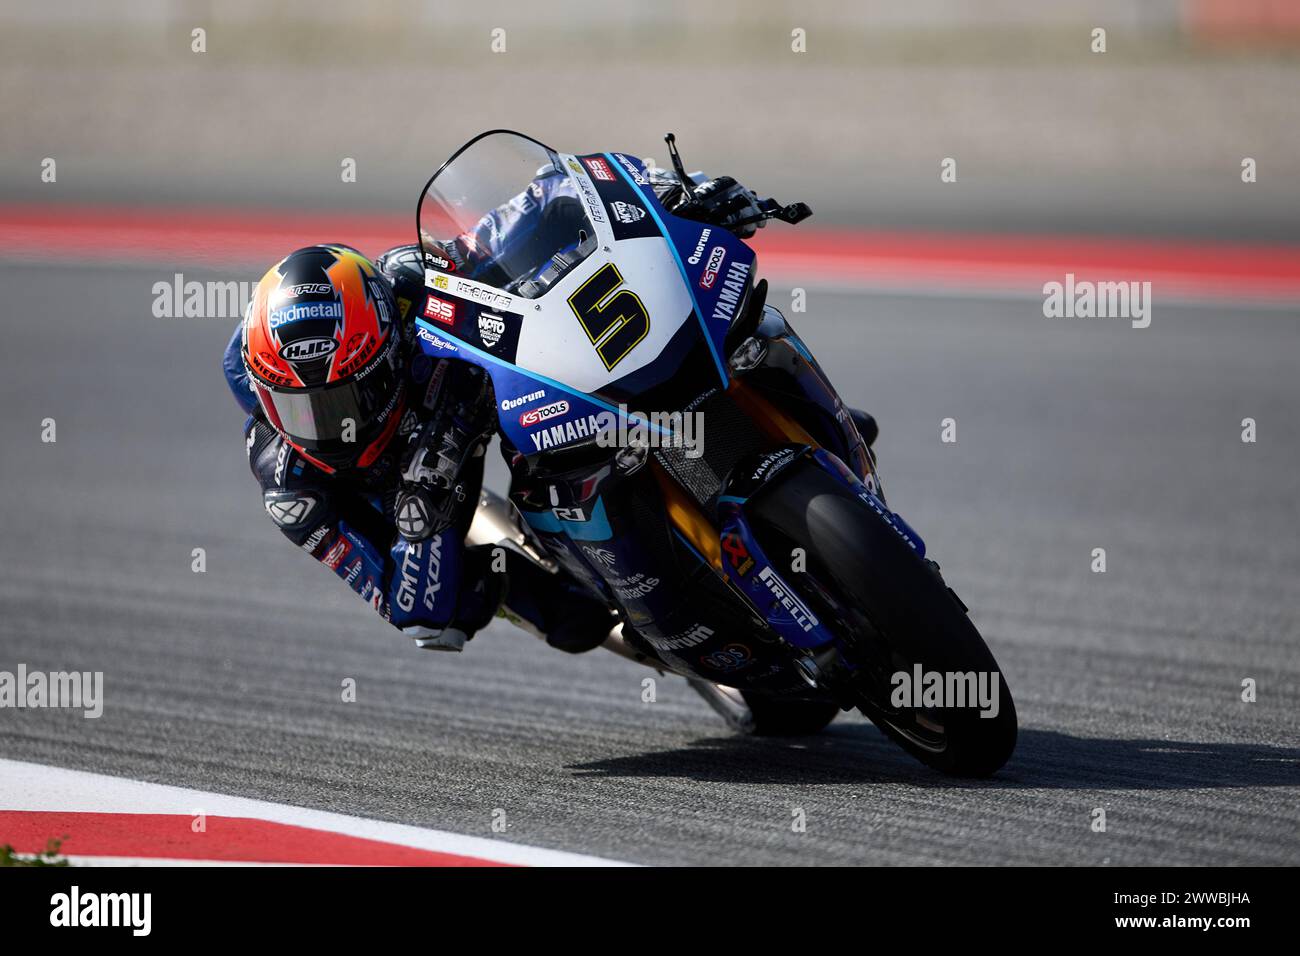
795 212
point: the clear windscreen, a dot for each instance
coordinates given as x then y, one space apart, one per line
505 212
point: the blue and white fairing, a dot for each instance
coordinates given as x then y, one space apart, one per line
639 320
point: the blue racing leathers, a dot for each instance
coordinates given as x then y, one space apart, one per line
435 589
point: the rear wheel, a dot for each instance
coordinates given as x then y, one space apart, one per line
898 613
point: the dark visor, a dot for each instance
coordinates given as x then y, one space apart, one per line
319 418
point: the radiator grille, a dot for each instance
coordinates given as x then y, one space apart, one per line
728 435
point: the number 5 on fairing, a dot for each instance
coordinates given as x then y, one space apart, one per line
607 312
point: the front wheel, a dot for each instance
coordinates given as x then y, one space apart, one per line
896 613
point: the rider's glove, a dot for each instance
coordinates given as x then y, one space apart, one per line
723 202
431 489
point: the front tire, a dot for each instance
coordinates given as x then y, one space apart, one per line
898 611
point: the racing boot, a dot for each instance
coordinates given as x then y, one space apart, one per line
568 616
477 604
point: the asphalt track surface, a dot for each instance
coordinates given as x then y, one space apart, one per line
1071 435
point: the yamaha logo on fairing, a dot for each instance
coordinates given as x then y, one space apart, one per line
772 463
306 350
571 431
732 293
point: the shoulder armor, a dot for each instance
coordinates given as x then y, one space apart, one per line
294 509
295 493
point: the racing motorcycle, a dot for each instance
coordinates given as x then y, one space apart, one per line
761 560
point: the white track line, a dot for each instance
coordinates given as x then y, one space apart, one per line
30 786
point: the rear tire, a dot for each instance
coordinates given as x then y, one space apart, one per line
897 608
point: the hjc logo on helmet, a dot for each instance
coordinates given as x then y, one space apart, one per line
306 350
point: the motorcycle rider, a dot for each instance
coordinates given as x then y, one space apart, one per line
370 455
